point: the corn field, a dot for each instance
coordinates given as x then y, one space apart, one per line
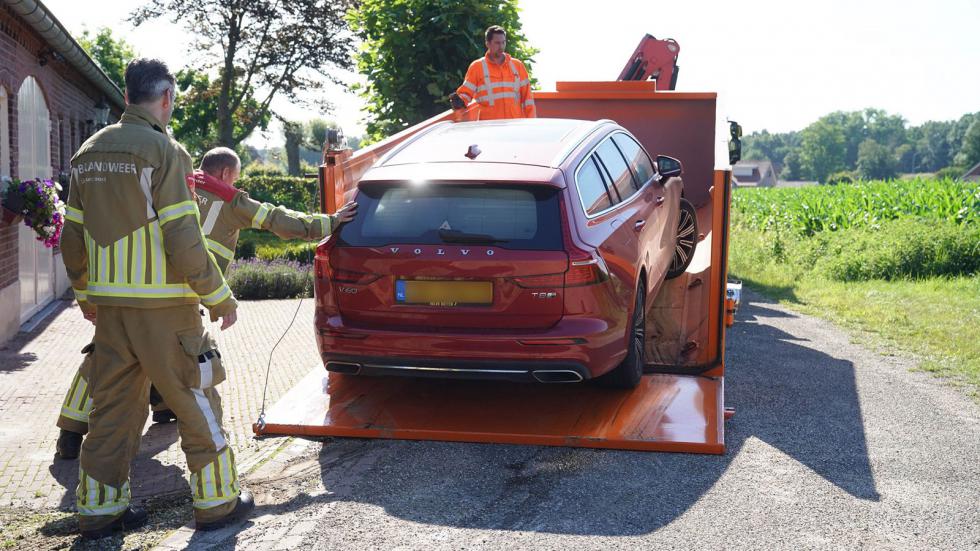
810 210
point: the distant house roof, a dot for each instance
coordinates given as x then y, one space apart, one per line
972 174
754 174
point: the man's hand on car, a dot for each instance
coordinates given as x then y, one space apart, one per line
346 213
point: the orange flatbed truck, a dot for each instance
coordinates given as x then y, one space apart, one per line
680 404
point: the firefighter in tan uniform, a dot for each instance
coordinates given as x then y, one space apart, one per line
137 261
225 210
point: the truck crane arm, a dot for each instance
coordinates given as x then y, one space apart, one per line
654 59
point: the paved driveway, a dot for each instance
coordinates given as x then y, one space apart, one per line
832 446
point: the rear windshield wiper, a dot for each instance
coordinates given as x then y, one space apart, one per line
456 236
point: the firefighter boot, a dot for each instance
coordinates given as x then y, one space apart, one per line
161 413
242 508
69 444
134 517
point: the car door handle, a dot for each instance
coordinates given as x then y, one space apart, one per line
658 201
639 225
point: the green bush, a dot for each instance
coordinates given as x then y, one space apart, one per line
842 177
896 249
297 252
951 172
257 280
245 249
298 194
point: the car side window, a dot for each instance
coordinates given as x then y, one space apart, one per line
591 188
618 170
638 160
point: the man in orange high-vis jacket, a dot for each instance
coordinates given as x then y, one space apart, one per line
498 82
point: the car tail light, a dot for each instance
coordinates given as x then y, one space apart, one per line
586 272
585 267
540 281
348 276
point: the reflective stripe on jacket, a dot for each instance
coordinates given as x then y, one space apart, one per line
132 236
502 90
226 210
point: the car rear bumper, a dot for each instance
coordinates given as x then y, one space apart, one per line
575 349
542 372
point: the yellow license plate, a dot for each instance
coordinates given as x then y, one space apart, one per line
443 293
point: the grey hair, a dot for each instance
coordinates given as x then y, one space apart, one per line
147 80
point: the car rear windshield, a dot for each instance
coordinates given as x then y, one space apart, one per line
508 216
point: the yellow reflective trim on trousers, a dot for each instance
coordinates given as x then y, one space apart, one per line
137 272
220 250
80 296
113 501
260 216
217 296
158 266
75 215
205 486
120 258
70 397
177 210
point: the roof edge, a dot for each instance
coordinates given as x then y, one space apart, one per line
47 25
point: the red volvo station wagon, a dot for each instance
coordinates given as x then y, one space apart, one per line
525 249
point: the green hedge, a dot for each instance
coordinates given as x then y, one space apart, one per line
896 249
299 194
297 252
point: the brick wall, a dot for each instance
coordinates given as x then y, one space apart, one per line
70 99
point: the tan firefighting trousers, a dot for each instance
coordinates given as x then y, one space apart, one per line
170 347
78 404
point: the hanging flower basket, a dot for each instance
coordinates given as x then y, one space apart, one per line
37 203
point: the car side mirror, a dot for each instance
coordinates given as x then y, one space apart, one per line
735 144
668 166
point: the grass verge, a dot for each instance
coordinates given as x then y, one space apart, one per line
934 318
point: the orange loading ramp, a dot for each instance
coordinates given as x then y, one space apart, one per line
679 405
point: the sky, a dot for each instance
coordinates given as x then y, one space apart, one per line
776 65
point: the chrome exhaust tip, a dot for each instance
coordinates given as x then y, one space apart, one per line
347 368
557 376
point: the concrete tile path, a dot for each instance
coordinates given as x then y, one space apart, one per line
36 368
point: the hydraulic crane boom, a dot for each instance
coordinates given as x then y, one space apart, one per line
654 59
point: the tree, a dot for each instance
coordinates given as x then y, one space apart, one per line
792 166
266 48
969 154
875 161
823 150
295 137
318 133
416 52
111 54
194 124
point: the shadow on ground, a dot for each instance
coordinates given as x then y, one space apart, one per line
793 397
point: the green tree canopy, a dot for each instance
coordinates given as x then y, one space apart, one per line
263 48
823 149
416 52
111 54
194 122
875 161
969 154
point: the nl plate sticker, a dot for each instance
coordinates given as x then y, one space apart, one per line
400 290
